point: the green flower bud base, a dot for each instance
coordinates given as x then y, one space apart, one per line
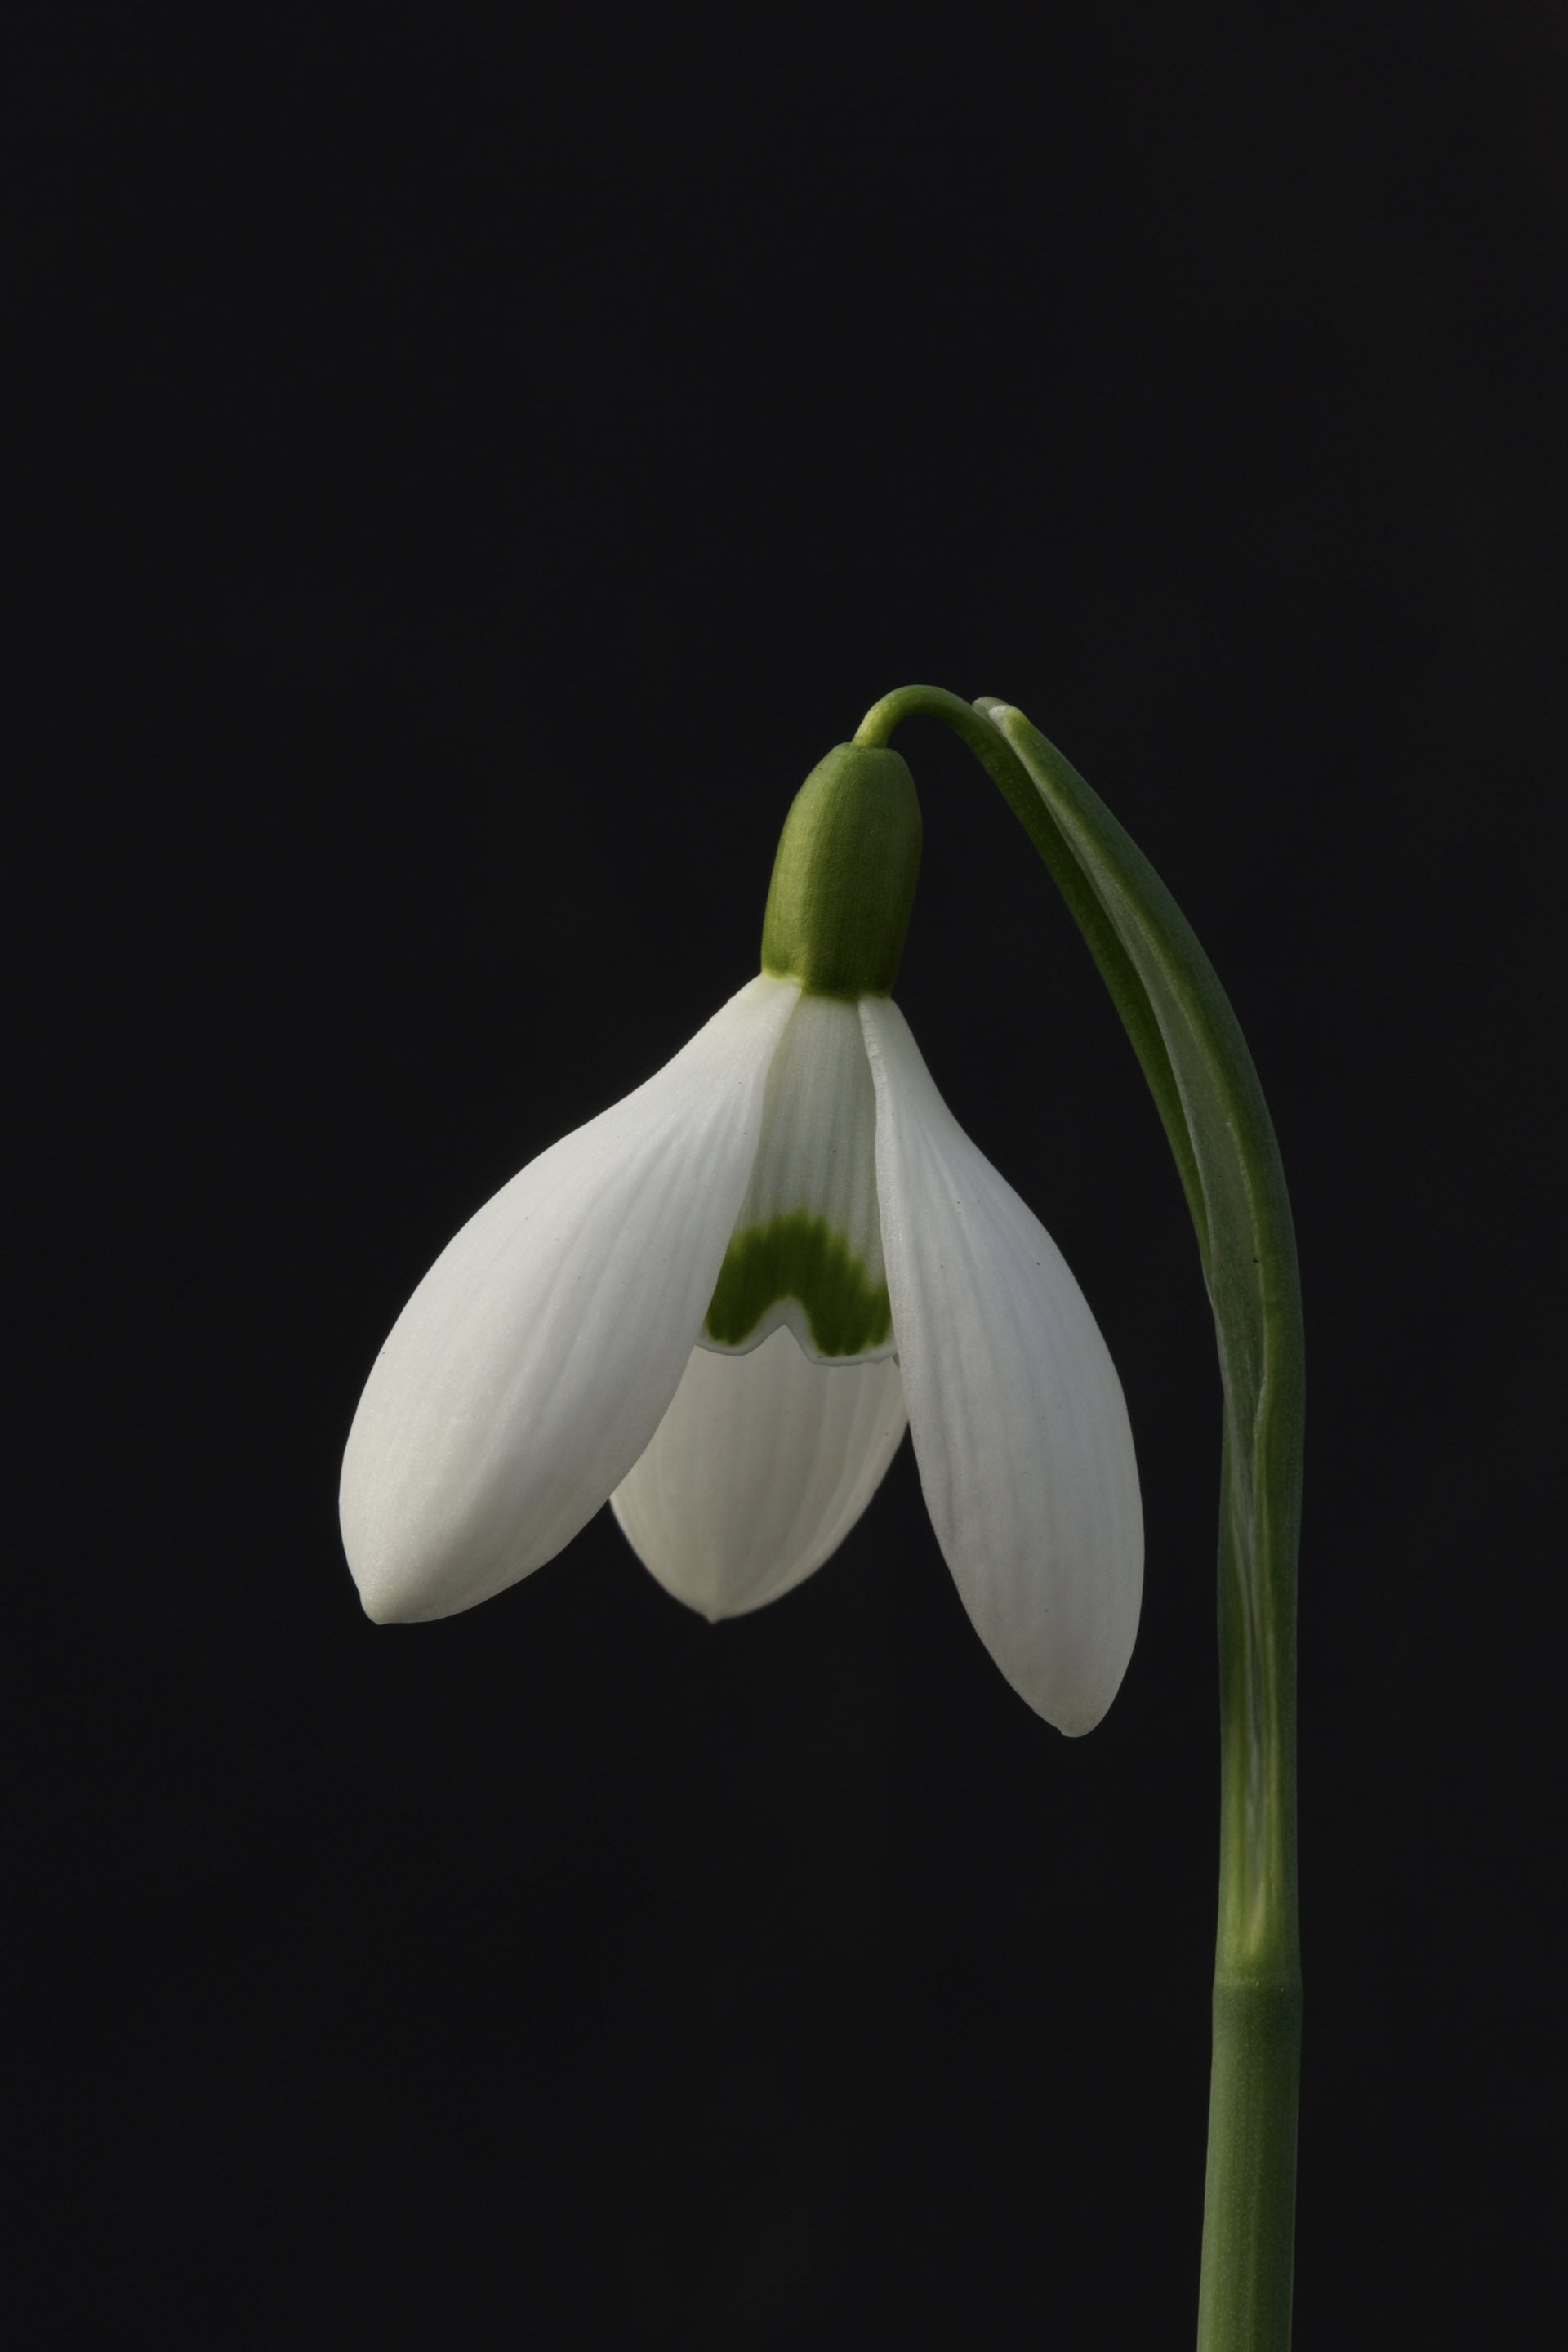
844 880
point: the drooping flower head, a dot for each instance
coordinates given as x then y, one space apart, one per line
719 1304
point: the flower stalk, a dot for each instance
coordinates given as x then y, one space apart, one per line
1206 1091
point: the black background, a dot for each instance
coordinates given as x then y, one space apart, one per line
473 463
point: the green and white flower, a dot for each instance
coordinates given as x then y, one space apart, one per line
718 1304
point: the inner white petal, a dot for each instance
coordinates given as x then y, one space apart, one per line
807 1251
758 1471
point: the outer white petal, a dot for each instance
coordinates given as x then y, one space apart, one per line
759 1470
1019 1425
536 1359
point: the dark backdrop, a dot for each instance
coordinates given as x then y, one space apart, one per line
475 462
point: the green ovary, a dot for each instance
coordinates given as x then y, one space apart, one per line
799 1257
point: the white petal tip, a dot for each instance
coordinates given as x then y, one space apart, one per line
1073 1723
1073 1698
393 1600
405 1575
387 1608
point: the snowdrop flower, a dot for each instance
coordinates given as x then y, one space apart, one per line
718 1304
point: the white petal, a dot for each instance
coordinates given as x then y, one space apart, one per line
1017 1417
807 1253
760 1469
536 1359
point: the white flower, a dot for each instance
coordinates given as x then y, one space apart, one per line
715 1307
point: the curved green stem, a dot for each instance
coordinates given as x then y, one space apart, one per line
1127 992
1206 1090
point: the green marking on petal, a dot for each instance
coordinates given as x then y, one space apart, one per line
799 1257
